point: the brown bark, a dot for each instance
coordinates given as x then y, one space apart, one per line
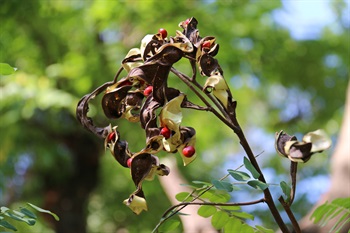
68 199
340 175
172 185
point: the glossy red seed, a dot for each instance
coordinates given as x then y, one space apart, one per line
187 21
206 44
188 151
165 132
128 162
163 32
111 137
148 90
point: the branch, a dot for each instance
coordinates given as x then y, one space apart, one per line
290 214
213 204
268 197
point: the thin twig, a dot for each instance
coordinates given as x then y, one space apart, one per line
215 204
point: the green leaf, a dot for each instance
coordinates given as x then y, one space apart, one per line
4 209
223 185
44 211
183 196
220 196
257 184
7 225
231 208
206 211
28 213
205 184
337 208
243 215
219 219
286 189
189 185
169 225
233 225
262 229
18 216
238 175
207 195
247 229
249 166
6 69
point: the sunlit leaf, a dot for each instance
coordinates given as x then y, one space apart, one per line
243 215
262 229
247 229
249 166
206 211
238 175
4 209
44 211
183 196
219 219
6 69
231 208
233 225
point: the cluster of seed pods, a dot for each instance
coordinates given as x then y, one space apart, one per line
137 97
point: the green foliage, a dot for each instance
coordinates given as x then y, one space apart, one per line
206 211
338 208
183 196
251 168
238 175
21 215
170 226
219 219
286 189
6 69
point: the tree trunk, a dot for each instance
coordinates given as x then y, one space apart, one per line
340 176
69 199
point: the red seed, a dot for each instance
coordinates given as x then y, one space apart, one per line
111 137
163 33
148 91
188 151
165 132
206 44
187 21
128 162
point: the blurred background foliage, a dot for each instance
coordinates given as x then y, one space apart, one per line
65 49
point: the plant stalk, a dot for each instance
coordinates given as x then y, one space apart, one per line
268 197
